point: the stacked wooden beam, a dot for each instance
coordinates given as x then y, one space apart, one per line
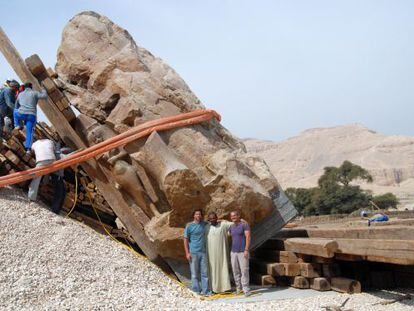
392 244
86 204
278 263
341 258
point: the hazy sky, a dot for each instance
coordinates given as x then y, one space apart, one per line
271 68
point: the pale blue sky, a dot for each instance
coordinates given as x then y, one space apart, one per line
271 68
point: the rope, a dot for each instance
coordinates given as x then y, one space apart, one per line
143 130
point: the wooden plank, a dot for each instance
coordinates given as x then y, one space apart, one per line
69 114
52 89
320 284
34 64
397 249
262 267
275 269
278 256
300 282
386 232
291 269
12 157
63 103
310 270
288 257
51 73
345 285
263 279
396 261
126 213
316 247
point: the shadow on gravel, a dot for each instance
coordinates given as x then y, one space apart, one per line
274 293
10 194
403 296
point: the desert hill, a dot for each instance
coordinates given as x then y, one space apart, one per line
299 161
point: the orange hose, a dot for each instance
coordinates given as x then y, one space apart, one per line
163 124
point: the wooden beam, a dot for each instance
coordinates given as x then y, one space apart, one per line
263 279
300 282
385 232
345 285
105 185
401 250
277 256
316 247
320 284
65 131
310 270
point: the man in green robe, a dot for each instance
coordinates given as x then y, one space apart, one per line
217 253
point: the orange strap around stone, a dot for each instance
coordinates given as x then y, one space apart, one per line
143 130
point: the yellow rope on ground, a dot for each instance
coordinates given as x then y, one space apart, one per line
76 194
222 296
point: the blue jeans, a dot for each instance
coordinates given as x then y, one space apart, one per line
198 267
30 123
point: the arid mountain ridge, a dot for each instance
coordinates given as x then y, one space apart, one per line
299 161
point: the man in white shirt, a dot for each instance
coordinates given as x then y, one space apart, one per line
44 150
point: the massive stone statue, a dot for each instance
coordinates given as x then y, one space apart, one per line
115 85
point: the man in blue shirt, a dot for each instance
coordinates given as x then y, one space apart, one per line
7 100
195 252
26 111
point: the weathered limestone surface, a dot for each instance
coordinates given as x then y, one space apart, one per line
115 85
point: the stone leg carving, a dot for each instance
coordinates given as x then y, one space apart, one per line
182 187
116 160
127 180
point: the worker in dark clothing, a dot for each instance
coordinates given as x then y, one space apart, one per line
7 101
59 189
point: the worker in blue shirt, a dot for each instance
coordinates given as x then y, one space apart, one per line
7 101
195 252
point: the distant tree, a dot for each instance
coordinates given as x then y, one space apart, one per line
334 193
302 199
386 200
344 174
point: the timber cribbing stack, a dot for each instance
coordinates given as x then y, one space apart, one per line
344 259
84 195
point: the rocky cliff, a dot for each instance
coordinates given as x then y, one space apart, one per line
299 161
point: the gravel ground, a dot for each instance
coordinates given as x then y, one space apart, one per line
52 263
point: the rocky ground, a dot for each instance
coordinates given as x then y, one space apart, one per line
49 262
